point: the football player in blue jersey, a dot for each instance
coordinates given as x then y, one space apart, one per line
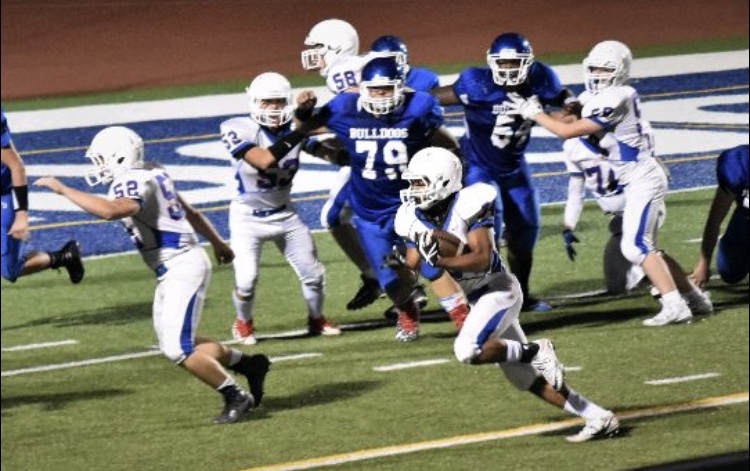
381 127
15 223
496 139
491 333
732 256
417 78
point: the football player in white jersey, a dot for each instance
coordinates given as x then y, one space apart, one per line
266 158
332 49
163 228
589 171
612 119
491 333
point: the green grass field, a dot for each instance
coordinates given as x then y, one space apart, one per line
145 414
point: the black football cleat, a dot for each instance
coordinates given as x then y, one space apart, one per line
255 368
69 257
236 404
367 294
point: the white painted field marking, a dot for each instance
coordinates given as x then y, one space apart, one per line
534 429
33 346
129 356
411 364
573 368
681 379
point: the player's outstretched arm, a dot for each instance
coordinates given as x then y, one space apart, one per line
110 210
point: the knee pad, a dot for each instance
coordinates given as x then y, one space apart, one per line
244 294
316 277
11 273
176 356
632 253
520 375
465 350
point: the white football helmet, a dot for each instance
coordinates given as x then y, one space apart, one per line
611 55
326 41
270 86
113 150
434 174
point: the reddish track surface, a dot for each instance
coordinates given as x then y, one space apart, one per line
54 47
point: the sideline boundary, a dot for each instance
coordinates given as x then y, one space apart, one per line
534 429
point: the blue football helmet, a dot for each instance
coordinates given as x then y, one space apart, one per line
389 45
510 47
382 86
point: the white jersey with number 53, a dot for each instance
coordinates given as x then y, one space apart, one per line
259 189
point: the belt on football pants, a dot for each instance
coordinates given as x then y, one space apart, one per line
263 213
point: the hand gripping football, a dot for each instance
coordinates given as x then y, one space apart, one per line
448 244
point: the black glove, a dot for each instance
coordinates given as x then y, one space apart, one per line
395 258
428 247
570 239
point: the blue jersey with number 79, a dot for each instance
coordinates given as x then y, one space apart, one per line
380 148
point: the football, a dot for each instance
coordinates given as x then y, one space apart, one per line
448 244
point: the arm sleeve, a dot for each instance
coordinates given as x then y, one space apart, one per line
574 203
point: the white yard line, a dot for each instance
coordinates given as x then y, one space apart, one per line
34 346
411 364
681 379
533 429
128 356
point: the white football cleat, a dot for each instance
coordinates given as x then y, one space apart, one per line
545 362
600 427
679 314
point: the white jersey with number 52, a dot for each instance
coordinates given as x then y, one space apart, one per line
345 73
160 230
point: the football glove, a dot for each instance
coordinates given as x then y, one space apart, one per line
570 239
428 247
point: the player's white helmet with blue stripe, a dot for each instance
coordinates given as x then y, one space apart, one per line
271 100
113 151
326 41
434 173
607 64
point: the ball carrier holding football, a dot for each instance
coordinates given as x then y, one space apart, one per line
438 218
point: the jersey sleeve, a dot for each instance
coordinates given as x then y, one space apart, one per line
238 136
6 133
132 186
606 109
476 205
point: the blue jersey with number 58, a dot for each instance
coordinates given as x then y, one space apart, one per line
380 147
496 137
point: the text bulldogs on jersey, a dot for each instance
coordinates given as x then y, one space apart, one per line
378 133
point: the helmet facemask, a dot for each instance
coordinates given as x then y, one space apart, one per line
509 76
381 97
271 100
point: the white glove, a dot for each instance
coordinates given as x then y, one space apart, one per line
428 247
530 107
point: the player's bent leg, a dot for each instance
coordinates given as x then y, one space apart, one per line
12 260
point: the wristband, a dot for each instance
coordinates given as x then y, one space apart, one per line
303 114
286 144
21 198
